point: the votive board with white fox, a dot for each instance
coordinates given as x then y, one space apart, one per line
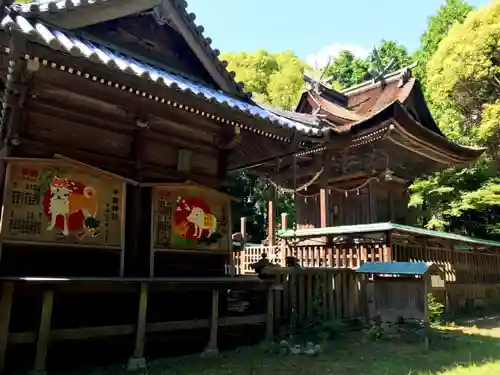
51 201
187 217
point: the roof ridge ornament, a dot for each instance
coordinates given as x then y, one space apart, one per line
315 77
378 71
161 16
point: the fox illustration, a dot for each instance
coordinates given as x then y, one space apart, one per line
65 202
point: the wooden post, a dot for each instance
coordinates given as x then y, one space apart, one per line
426 280
211 349
324 199
42 344
387 256
152 234
243 228
5 309
141 322
138 362
284 224
270 315
271 216
363 301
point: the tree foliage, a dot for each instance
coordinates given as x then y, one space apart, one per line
272 78
348 70
463 89
451 12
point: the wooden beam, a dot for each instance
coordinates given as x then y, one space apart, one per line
50 80
44 331
81 115
104 92
120 166
98 13
209 62
86 333
5 310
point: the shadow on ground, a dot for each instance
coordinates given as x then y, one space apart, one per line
395 353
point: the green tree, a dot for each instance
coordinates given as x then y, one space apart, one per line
463 88
388 50
453 11
272 78
348 70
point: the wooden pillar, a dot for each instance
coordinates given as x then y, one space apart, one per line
324 198
211 349
271 210
141 322
137 213
243 228
42 344
5 309
270 315
271 215
284 224
138 362
387 252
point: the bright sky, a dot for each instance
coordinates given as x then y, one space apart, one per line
313 28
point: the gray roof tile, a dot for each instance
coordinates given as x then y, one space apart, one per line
80 47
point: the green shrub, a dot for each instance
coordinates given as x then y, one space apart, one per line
435 308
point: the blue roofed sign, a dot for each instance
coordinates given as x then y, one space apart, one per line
396 268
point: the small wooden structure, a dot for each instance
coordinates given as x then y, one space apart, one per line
400 290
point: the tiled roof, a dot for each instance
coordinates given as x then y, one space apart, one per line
82 48
44 8
383 227
395 268
53 6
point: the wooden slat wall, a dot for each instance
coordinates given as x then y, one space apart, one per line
459 266
328 293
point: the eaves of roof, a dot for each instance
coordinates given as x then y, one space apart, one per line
66 42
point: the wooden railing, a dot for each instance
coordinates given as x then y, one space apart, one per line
458 265
251 254
342 256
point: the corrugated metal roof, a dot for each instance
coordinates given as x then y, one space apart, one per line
395 268
383 227
80 47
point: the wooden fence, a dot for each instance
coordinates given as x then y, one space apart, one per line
303 295
459 266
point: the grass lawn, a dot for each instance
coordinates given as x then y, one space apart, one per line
469 349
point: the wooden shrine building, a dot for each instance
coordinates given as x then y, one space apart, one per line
351 194
383 136
118 127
